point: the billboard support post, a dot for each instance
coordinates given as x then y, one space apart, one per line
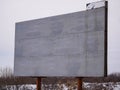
79 84
38 83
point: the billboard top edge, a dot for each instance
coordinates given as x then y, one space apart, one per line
55 16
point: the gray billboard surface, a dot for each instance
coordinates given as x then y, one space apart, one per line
64 45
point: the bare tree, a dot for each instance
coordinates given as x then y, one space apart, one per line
6 72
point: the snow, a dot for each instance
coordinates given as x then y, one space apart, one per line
88 86
108 86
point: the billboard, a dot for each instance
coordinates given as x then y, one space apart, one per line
66 45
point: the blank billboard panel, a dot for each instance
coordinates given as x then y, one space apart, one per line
64 45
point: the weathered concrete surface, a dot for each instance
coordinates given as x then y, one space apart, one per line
64 45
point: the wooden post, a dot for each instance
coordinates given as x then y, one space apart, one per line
79 83
38 83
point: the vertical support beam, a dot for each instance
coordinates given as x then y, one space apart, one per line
106 37
38 83
79 84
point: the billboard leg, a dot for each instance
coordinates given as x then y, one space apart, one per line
38 83
79 84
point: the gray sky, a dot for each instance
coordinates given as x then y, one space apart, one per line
12 11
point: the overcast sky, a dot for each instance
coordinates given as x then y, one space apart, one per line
12 11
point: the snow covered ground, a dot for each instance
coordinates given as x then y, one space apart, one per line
102 86
86 86
19 87
93 86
